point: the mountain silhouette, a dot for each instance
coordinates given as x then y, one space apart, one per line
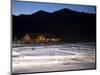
42 12
65 23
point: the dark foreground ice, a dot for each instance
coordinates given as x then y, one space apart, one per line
44 58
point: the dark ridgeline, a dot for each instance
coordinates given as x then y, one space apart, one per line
70 25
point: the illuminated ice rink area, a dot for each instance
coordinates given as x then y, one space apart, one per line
56 57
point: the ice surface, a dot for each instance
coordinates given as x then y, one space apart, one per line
27 59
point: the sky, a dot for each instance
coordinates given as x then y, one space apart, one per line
28 8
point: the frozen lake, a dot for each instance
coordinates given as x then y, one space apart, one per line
56 57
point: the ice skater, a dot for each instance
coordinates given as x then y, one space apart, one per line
33 49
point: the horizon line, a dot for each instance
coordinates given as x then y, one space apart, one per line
52 12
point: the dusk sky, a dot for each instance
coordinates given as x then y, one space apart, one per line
19 8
